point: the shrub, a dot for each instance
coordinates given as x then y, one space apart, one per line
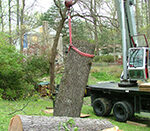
34 68
107 58
11 72
19 74
97 58
104 58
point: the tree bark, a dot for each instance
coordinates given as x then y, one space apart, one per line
43 123
71 91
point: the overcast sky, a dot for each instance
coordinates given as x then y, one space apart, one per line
40 5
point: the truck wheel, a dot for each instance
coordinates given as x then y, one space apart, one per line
130 108
121 111
93 98
102 107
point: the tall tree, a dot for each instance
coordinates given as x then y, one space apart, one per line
142 13
146 8
9 15
55 44
18 13
149 10
137 15
95 24
1 16
22 25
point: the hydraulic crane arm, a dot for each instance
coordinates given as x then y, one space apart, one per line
125 9
131 44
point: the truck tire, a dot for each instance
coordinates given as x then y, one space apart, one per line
102 107
121 111
130 108
93 98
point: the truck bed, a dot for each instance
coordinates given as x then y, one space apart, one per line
113 86
109 92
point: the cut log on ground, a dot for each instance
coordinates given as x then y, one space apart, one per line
72 87
43 123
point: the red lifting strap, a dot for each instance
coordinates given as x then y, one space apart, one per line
71 45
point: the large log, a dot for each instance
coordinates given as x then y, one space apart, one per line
43 123
71 90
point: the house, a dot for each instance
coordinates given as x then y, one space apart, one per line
40 41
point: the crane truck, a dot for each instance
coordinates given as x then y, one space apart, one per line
125 98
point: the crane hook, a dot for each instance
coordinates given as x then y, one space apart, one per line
68 3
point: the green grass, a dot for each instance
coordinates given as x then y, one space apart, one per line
104 73
34 107
37 105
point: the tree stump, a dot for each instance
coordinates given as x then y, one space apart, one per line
72 87
43 123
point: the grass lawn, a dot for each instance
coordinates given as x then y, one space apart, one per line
36 104
36 107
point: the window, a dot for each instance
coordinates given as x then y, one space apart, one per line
136 58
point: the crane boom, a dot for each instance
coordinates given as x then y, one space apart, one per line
130 43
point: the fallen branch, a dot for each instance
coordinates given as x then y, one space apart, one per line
20 109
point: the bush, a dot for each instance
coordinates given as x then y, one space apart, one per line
104 58
19 74
11 72
97 58
107 58
34 68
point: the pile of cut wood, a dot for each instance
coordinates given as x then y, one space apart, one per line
144 87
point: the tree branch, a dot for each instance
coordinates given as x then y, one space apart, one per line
20 109
75 2
59 8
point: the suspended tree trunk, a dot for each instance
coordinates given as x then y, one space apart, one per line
22 25
43 123
18 18
9 16
71 91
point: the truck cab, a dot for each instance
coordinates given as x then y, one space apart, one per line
139 59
